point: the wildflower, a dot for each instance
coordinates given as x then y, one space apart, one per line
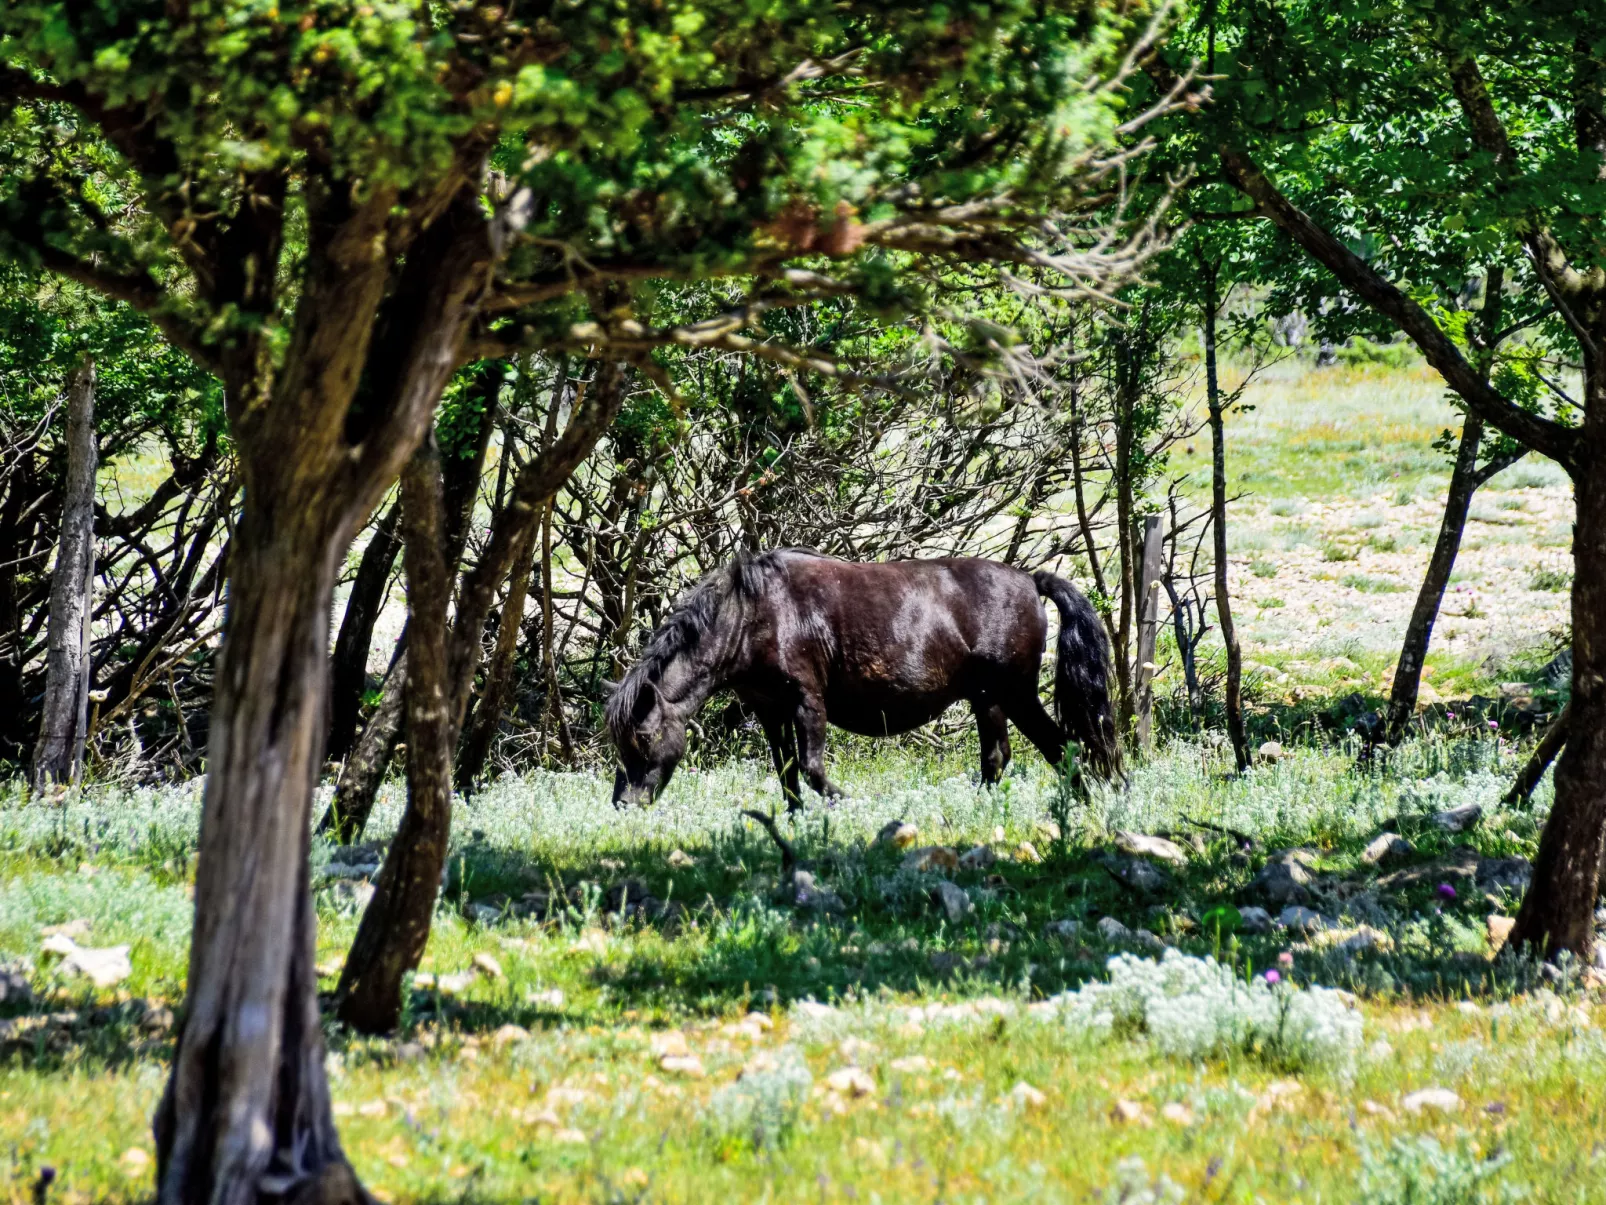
1273 977
1494 725
1285 960
1446 892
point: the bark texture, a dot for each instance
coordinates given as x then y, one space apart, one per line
395 925
59 755
360 777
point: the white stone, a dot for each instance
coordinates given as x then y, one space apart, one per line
1254 920
1386 848
1300 920
851 1081
1441 1100
1145 846
955 903
1113 931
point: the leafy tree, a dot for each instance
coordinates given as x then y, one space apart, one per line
331 206
1403 147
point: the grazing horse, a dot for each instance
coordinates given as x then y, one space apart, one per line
876 649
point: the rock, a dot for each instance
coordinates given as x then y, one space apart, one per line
1026 1096
808 893
1065 931
1460 863
409 1052
15 989
158 1019
1113 932
851 1081
813 1009
981 857
1360 940
487 965
508 1034
931 858
1498 929
1440 1100
453 985
1270 753
1144 846
688 1065
1130 1112
942 962
955 903
105 967
1457 820
1048 829
1387 848
1027 852
899 834
759 1021
483 914
669 1043
1505 874
679 859
1139 875
1177 1113
551 998
135 1161
74 930
856 1050
913 1064
1254 920
1148 942
1300 920
1283 880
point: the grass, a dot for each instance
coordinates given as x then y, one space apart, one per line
573 1106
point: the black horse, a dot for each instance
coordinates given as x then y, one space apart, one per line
874 648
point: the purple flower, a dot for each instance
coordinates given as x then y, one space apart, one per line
1273 977
1285 960
1446 892
1450 715
1494 725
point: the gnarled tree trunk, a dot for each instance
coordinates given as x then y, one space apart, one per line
59 755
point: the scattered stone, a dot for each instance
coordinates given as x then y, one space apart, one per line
1499 931
760 1021
1130 1112
1177 1113
812 1009
856 1051
1027 852
552 997
1460 863
1113 932
1301 920
688 1065
1026 1096
508 1034
954 902
851 1081
1139 875
1285 879
483 914
1254 920
1270 753
1457 820
981 857
1440 1100
1048 829
15 988
105 967
75 930
135 1161
453 985
487 965
913 1064
899 834
942 962
1505 874
569 1136
930 858
1362 940
1148 942
1144 846
1066 930
679 859
1387 848
409 1052
669 1043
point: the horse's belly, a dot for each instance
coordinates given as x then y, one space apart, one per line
869 716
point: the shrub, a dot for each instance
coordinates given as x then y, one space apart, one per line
1197 1008
1383 543
1416 1170
1261 567
763 1106
1332 550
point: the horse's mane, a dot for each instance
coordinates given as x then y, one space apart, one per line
686 627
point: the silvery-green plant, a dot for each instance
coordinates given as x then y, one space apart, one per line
763 1106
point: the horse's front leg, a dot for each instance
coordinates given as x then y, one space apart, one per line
782 738
811 745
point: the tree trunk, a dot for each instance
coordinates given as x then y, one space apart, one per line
59 755
1234 694
348 670
395 926
1559 910
1544 753
482 728
358 785
1419 632
246 1112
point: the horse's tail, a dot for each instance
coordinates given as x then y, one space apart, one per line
1082 676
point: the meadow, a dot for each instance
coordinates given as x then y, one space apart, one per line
968 994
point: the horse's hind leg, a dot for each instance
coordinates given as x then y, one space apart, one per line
1036 725
993 728
782 738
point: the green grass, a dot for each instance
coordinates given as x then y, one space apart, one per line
1369 583
577 1109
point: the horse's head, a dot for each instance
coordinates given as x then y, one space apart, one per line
650 735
